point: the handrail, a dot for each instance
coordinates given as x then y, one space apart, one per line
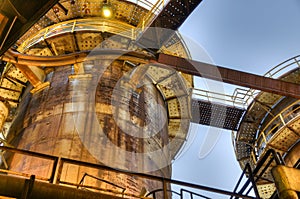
35 154
255 174
264 134
150 177
181 194
247 95
283 65
156 8
102 180
192 194
153 193
58 165
95 24
218 97
275 72
143 3
297 164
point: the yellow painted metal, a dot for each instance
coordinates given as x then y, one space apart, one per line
76 25
147 19
29 74
287 181
283 120
276 128
3 114
293 156
40 87
49 123
49 126
73 58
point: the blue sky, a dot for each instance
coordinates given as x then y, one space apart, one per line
251 36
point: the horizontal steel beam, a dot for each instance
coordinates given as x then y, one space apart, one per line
196 68
231 76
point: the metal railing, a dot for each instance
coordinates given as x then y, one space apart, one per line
150 16
53 159
248 186
144 3
58 164
223 98
181 194
101 180
284 67
244 95
278 121
279 70
99 25
247 170
248 95
254 176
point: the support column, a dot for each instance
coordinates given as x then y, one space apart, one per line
3 114
35 76
287 181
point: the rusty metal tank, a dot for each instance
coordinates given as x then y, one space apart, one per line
114 108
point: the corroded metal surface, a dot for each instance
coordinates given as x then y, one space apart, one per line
50 126
218 73
60 119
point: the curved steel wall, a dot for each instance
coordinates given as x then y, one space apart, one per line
64 119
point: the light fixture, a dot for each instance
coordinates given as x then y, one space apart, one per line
107 10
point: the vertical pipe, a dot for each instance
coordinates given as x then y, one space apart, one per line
165 189
286 181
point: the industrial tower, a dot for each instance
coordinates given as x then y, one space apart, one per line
96 101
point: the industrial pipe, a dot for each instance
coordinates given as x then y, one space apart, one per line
16 187
73 58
